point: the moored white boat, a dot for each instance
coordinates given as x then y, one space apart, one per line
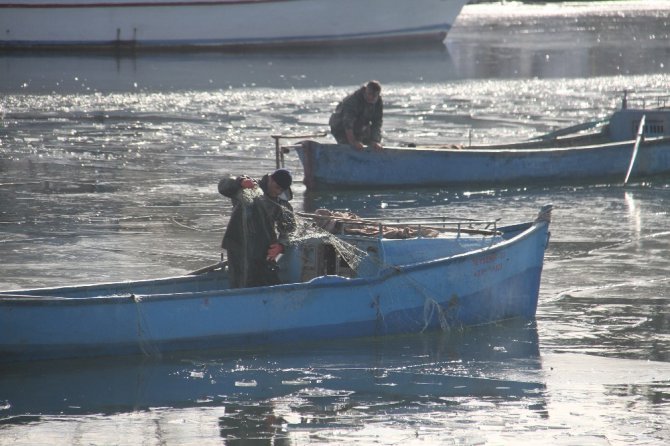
183 24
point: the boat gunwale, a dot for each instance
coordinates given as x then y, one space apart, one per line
69 4
511 148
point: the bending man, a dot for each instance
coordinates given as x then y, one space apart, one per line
357 120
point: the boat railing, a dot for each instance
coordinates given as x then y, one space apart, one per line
404 227
280 150
660 102
442 224
25 296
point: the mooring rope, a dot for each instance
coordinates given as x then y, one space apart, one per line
431 306
143 335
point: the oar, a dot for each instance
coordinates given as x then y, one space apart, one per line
570 130
640 131
209 268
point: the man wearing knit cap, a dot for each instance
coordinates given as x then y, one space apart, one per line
259 226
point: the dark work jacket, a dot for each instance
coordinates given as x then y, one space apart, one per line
355 113
254 225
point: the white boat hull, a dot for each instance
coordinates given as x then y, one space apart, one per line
221 23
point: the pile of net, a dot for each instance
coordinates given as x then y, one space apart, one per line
350 223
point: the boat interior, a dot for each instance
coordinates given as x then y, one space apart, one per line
347 249
621 126
364 249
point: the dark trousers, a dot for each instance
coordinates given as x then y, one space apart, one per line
247 273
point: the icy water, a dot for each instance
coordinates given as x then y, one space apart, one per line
109 169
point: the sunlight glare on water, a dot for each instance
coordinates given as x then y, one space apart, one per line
109 169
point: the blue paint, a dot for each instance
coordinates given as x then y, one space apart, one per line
602 156
470 279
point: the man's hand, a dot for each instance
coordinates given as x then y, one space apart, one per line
353 142
377 146
274 250
358 145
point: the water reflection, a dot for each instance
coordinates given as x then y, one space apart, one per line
267 393
490 41
557 40
215 71
634 214
93 184
609 259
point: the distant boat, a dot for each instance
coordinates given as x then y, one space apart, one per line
190 24
573 155
435 274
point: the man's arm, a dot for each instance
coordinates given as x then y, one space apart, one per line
377 120
231 186
352 108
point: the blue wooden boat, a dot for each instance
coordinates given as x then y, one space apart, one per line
566 156
439 274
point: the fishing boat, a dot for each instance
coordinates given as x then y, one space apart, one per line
233 24
345 277
617 150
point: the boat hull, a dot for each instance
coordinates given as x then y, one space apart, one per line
164 24
581 158
398 167
483 286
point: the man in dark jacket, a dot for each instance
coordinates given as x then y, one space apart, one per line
259 226
357 120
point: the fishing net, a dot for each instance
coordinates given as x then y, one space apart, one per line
350 223
308 230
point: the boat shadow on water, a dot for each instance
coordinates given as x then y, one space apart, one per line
310 68
499 362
